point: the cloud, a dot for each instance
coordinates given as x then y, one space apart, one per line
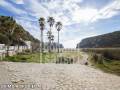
30 26
11 8
66 10
36 9
59 9
84 15
108 11
69 12
70 37
74 39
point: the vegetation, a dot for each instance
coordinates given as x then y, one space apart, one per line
27 56
110 53
32 57
42 27
51 22
11 33
58 27
109 40
104 51
64 60
69 57
72 54
50 35
107 59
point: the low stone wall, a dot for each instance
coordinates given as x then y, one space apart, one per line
13 50
2 54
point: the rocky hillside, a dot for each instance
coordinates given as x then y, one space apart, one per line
12 33
102 41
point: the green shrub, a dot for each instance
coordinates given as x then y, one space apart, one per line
65 60
11 58
27 51
106 59
97 58
16 58
23 59
109 53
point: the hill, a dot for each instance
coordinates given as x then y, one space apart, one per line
102 41
11 33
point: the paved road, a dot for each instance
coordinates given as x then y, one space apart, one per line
57 77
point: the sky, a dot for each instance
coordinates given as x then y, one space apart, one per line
80 18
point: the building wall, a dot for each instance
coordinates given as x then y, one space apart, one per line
13 50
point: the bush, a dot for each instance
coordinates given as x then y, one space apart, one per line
16 58
27 51
23 59
97 58
109 53
64 60
107 60
11 58
86 63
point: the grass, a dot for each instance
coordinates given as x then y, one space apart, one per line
47 57
106 59
109 66
110 53
73 54
34 57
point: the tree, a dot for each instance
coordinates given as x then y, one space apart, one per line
52 39
58 27
51 22
8 25
3 39
18 34
42 27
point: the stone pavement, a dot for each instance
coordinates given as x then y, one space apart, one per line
60 77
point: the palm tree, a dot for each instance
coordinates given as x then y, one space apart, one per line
42 27
51 22
58 27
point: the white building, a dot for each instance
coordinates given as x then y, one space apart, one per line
2 46
28 44
14 49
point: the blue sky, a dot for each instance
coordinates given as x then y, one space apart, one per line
80 18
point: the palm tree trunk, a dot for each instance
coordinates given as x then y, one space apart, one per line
8 45
49 46
50 41
40 49
58 42
42 44
7 53
18 46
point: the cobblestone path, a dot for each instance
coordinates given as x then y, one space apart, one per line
59 77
